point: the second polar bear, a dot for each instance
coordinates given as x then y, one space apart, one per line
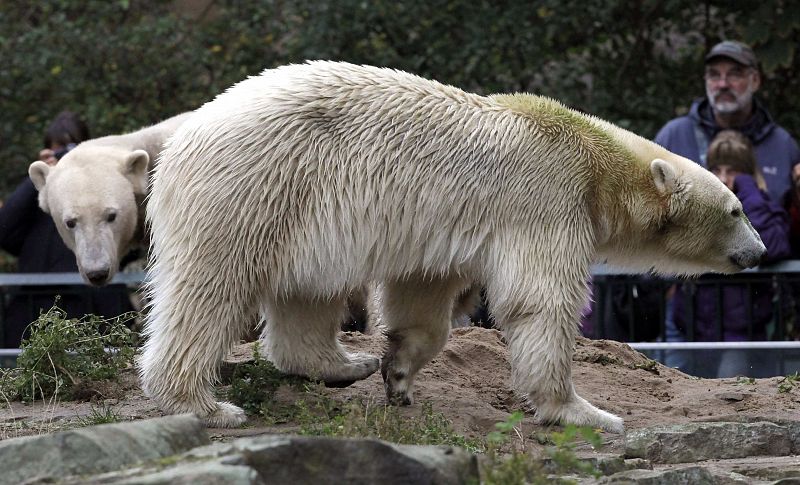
95 195
301 184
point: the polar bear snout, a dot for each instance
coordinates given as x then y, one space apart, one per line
748 259
96 257
745 247
98 277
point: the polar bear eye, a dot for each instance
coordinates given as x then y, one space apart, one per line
70 223
736 213
111 217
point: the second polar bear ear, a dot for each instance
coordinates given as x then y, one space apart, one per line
664 176
136 165
38 172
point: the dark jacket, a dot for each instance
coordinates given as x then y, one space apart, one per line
772 224
776 151
31 235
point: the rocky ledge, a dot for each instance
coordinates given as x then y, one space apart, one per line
177 449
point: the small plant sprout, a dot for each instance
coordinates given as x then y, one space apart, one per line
789 382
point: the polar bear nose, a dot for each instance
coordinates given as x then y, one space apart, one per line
749 260
97 277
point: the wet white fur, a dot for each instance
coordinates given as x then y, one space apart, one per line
96 178
301 184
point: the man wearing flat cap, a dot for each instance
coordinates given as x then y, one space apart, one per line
732 78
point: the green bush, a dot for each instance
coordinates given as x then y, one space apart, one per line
124 64
253 384
62 354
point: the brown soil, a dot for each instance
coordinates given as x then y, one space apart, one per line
468 382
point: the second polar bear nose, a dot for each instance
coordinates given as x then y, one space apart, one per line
97 277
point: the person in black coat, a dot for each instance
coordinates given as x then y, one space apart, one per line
30 234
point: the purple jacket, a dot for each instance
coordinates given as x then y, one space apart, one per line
776 151
772 224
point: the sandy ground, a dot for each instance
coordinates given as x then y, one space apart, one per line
469 382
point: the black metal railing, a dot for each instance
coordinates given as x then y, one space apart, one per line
638 300
642 322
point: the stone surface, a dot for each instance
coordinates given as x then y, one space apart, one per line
605 463
694 475
213 473
704 441
300 459
176 450
97 449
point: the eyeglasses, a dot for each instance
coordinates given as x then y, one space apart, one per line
732 76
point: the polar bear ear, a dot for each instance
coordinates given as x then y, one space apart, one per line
664 176
38 172
135 168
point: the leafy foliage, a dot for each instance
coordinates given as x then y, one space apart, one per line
62 354
125 64
563 453
254 383
101 415
521 467
789 382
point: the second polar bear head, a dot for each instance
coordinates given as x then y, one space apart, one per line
93 195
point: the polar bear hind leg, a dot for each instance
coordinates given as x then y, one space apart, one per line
416 313
300 338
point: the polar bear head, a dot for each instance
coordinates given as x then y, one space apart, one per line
683 220
703 222
93 195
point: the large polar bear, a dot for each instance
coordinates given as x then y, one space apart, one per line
298 185
95 195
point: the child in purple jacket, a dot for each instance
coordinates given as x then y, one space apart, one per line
732 159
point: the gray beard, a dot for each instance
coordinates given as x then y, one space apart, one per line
731 107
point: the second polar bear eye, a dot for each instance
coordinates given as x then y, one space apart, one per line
736 213
70 223
111 217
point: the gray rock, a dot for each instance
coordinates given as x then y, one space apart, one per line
97 449
297 460
695 475
605 463
704 441
794 436
213 473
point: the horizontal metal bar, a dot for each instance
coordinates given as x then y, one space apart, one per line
772 345
777 345
45 279
788 266
135 277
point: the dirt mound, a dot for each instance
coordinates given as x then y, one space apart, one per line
469 382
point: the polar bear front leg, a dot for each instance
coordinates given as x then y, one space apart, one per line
417 315
186 343
300 337
541 344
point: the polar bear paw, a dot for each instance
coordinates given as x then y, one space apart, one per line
397 385
358 366
398 397
226 416
580 412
